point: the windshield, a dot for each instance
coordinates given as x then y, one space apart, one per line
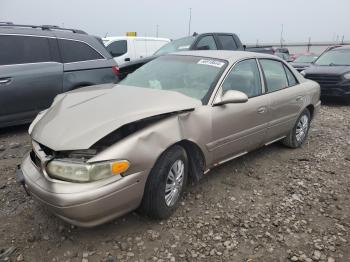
188 75
305 59
334 58
181 44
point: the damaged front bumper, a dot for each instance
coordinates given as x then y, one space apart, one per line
84 204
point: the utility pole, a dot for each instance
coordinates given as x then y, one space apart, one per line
309 45
157 30
281 38
189 22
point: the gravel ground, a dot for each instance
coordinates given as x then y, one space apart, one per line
274 204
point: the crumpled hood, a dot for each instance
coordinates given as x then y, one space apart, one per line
78 119
336 70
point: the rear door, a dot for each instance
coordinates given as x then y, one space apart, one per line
286 95
30 76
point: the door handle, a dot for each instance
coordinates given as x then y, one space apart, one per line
4 81
127 59
298 98
261 110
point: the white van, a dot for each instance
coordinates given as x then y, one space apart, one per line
128 48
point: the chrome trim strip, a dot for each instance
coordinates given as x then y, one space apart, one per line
275 140
230 158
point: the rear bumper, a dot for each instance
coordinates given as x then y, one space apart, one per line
85 204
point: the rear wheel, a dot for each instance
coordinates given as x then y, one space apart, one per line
165 183
298 134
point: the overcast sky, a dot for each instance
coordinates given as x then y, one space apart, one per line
253 20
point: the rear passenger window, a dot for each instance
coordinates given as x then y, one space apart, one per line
227 42
292 81
119 48
74 51
275 75
23 49
244 77
206 43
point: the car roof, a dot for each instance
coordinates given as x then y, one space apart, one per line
231 56
344 47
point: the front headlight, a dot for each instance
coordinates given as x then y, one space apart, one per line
347 76
83 172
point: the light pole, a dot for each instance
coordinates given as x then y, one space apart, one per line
189 22
157 30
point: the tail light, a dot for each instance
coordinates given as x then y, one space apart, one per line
116 70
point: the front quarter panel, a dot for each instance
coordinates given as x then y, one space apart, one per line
143 148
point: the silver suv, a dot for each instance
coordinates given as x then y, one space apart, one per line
39 62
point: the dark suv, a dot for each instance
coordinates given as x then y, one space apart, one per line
39 62
332 71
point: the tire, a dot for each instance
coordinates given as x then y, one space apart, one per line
296 139
156 202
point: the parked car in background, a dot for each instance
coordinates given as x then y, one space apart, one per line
137 143
128 48
303 61
205 41
332 71
39 62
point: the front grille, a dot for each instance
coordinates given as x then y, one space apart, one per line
325 80
35 159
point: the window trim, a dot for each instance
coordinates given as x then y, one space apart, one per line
283 64
218 90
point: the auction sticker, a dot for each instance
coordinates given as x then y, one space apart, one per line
211 62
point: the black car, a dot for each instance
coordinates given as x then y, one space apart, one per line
303 61
332 71
205 41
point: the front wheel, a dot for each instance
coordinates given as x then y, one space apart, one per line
165 183
298 134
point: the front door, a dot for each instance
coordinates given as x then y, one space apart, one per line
239 128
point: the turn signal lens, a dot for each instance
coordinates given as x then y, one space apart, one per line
120 167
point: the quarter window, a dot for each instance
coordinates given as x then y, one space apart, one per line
117 48
275 75
292 81
244 77
74 51
227 42
206 43
23 49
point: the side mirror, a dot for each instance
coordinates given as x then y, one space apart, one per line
232 97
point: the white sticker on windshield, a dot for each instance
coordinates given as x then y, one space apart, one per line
211 62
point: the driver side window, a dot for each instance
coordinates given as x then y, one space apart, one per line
244 77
